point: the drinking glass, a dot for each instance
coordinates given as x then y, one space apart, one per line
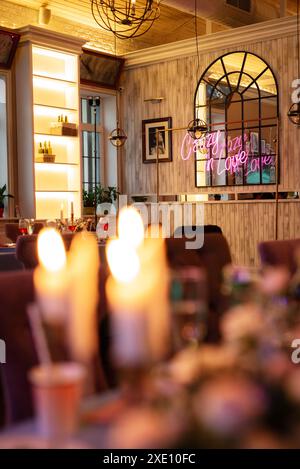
23 226
30 226
188 294
57 389
51 223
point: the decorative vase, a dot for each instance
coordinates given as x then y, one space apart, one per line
1 211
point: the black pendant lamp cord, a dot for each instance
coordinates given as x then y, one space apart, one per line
117 96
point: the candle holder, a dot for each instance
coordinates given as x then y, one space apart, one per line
57 382
71 225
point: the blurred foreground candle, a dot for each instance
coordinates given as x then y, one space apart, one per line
155 273
83 272
50 277
138 294
130 227
126 295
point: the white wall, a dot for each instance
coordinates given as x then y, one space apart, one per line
110 123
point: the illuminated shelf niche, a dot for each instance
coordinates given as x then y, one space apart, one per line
47 87
55 93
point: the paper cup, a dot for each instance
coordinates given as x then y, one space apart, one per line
57 390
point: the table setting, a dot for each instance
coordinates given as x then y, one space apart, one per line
174 389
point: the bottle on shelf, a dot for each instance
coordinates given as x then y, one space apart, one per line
45 148
66 119
40 150
49 148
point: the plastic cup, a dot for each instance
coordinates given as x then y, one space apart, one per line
57 390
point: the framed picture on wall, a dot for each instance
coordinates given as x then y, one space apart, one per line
157 140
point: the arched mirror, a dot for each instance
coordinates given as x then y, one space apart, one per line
238 98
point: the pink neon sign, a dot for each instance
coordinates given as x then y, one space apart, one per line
215 144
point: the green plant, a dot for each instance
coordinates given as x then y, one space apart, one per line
88 198
3 195
101 194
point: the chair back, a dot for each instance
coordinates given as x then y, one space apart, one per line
280 253
190 231
213 256
16 292
12 230
26 249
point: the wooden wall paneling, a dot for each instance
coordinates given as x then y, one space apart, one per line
297 219
176 81
244 223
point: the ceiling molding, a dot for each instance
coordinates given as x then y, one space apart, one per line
46 37
221 40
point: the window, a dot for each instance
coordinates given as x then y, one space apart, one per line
92 143
237 96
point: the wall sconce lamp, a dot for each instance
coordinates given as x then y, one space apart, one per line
153 100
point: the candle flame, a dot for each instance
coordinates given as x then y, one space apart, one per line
131 227
51 250
123 261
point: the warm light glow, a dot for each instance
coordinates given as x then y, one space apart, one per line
51 53
57 140
51 84
55 195
54 168
53 112
51 250
54 64
131 227
123 261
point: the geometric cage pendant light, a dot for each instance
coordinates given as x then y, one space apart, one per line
117 137
125 18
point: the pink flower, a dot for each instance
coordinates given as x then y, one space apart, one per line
241 322
274 280
228 405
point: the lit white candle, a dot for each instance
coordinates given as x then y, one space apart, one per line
50 277
138 293
72 210
83 265
130 227
127 297
153 259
